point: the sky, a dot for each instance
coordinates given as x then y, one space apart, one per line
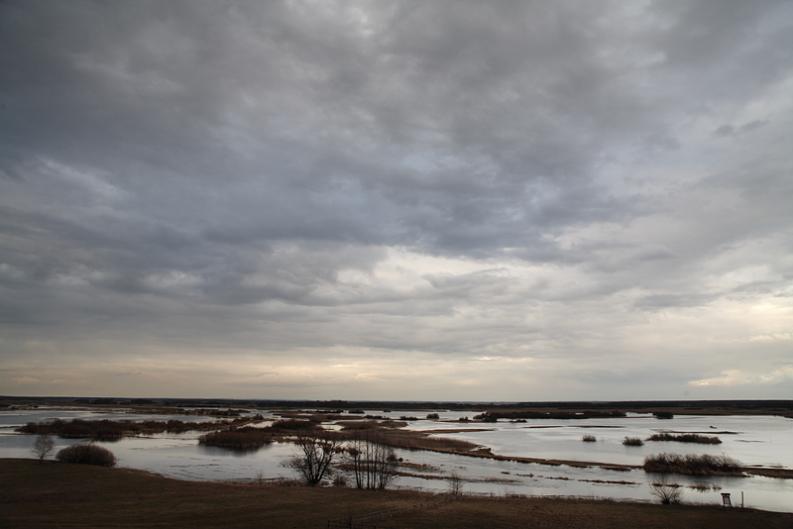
397 200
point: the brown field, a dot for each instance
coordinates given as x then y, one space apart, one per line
49 495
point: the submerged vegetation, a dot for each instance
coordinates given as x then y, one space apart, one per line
494 415
693 465
685 438
107 430
248 438
243 439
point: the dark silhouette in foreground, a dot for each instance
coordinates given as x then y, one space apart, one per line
55 494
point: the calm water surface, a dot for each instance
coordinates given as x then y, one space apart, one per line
757 440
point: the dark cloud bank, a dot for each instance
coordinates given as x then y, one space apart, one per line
318 200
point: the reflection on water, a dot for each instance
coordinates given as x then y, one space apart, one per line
180 456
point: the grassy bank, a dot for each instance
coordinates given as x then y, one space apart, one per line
51 495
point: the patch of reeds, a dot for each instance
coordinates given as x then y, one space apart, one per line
632 441
686 438
242 439
107 430
693 465
589 439
494 415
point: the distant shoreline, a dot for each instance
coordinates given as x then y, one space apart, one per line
783 408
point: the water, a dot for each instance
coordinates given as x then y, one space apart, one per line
760 441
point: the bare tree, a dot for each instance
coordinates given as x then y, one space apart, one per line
317 456
668 493
373 463
455 483
42 446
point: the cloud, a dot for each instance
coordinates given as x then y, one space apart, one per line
596 185
737 377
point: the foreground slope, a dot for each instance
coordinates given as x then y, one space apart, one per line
37 495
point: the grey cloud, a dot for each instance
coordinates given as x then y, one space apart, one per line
209 174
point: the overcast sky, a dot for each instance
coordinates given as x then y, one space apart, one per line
397 200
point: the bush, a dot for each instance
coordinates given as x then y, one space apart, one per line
667 493
316 458
633 441
433 416
686 438
87 454
664 415
42 446
373 464
455 484
589 438
693 465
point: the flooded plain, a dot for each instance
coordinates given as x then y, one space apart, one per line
752 440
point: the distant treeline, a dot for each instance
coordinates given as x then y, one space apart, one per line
776 407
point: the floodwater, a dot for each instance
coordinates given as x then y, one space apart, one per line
756 440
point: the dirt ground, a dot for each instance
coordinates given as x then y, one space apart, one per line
56 495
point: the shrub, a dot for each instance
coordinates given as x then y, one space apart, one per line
686 438
433 416
632 441
693 465
87 454
455 484
667 493
316 457
664 415
42 446
589 438
373 464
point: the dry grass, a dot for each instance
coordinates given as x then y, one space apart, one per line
693 465
81 497
686 438
106 430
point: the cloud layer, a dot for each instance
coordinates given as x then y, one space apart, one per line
319 200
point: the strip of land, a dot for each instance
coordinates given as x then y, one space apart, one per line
782 408
44 495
